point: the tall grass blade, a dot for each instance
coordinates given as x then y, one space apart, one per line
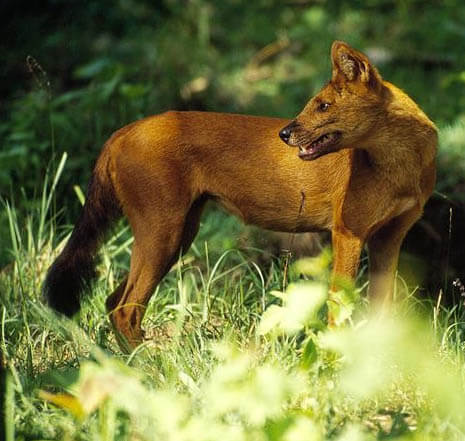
47 198
9 409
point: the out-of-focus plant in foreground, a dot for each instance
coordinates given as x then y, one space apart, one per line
248 395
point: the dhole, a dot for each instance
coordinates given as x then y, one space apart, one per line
365 168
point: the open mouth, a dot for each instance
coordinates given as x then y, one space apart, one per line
322 145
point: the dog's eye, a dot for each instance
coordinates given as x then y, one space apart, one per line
323 107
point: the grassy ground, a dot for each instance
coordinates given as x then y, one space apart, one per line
215 365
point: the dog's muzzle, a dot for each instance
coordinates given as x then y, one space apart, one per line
286 132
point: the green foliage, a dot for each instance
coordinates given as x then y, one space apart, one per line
214 365
452 160
257 57
105 64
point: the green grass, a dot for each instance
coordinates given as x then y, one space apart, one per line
215 365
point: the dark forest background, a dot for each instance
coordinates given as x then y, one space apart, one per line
72 72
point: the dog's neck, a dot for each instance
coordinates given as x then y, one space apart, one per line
408 142
403 137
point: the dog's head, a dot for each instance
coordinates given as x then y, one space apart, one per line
344 112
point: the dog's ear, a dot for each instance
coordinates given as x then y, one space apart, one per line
351 65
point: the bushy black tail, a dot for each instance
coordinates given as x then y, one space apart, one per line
74 268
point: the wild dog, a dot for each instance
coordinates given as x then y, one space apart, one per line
365 168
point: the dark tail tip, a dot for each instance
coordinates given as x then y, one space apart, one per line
64 284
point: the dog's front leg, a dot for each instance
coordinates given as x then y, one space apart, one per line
346 256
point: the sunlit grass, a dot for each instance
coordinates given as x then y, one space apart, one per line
227 355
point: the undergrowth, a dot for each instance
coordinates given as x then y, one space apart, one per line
228 355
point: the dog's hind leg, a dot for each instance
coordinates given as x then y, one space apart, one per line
149 263
158 243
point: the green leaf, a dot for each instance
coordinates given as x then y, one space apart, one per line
271 319
314 266
310 354
65 401
91 69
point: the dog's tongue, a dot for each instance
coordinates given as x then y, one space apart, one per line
307 150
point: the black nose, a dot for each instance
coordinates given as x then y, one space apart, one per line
285 134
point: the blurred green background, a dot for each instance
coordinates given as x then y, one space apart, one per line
73 72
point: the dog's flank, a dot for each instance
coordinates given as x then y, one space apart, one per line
365 164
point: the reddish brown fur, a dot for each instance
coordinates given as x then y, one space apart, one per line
370 189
